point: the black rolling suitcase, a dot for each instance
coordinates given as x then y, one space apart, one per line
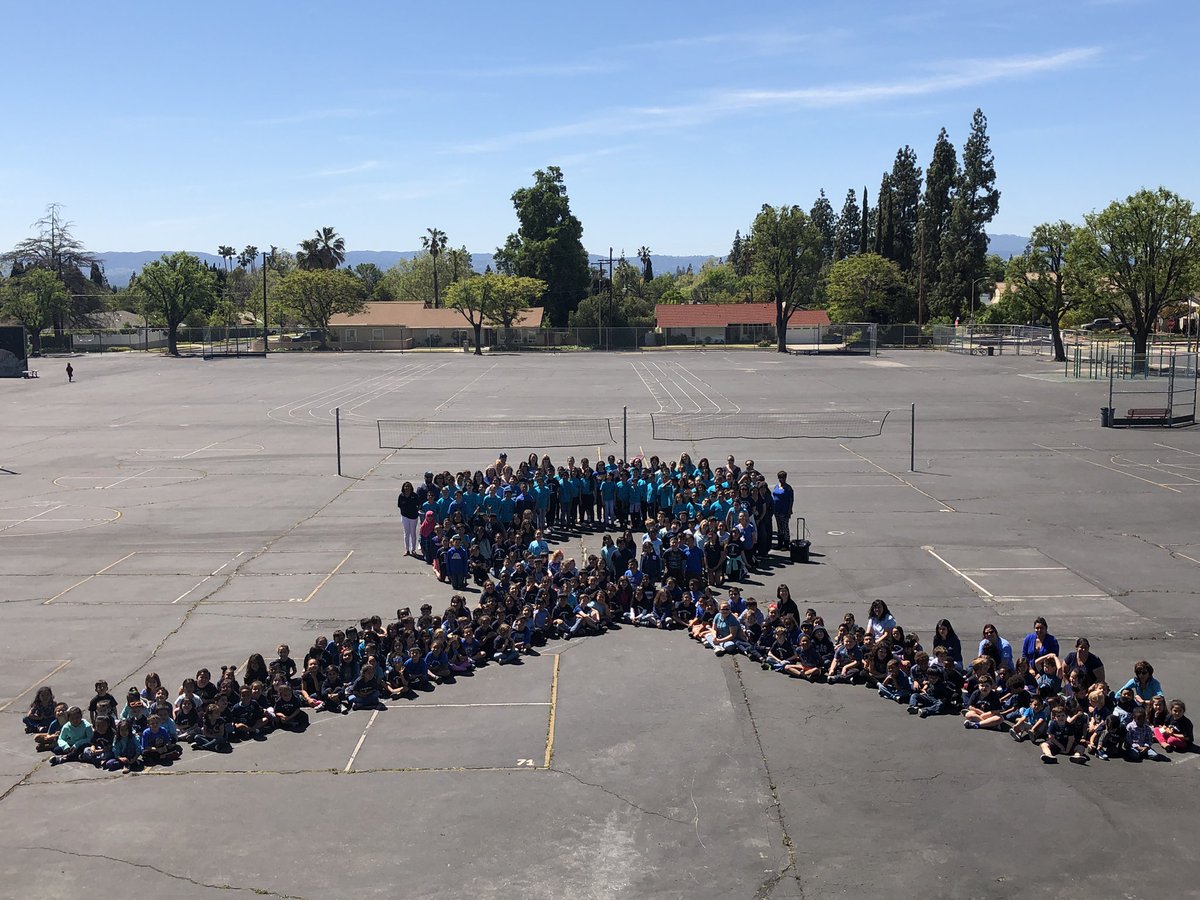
799 546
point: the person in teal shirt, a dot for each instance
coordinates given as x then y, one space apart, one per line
73 738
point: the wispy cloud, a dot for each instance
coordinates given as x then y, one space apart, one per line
954 75
961 75
549 70
369 165
749 43
322 115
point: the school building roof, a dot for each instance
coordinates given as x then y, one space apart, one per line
410 314
718 315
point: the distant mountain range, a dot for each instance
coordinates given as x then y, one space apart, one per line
121 265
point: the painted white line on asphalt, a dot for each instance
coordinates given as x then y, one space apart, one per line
958 572
361 738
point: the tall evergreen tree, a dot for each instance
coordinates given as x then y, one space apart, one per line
864 232
823 218
548 244
964 242
884 230
905 186
845 236
934 217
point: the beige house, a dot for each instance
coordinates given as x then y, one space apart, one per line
404 325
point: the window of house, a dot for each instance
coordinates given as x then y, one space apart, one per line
377 334
351 334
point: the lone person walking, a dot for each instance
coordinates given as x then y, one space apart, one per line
70 373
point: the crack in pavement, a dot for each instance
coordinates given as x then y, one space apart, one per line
236 570
626 800
216 887
768 886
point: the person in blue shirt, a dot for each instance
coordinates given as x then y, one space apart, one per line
726 631
442 506
783 499
416 671
541 502
508 508
608 493
568 496
538 546
457 564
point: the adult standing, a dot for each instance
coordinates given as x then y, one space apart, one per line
428 490
784 498
410 507
70 373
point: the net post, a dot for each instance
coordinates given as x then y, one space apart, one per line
912 440
625 434
337 426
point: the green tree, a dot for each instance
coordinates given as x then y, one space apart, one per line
845 235
905 186
787 261
56 249
325 250
492 298
647 265
933 218
548 244
412 279
975 203
826 222
226 253
370 275
35 299
884 225
316 295
434 243
866 288
248 258
174 287
1140 255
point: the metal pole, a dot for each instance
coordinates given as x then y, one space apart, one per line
912 440
337 424
608 333
625 434
266 321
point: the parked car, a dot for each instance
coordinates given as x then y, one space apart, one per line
307 336
1101 325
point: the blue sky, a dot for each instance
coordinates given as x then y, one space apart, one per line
175 126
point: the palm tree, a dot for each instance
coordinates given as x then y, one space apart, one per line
325 250
226 253
248 257
647 266
435 243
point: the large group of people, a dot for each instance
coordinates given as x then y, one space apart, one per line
688 538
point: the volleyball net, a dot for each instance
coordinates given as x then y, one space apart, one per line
489 434
766 426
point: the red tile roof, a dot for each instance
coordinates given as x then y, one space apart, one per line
409 314
718 315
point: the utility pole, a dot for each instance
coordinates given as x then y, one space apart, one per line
608 333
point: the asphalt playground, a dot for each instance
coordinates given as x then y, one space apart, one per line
163 515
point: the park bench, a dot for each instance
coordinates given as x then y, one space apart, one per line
1148 412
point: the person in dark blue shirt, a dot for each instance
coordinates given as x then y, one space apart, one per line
783 499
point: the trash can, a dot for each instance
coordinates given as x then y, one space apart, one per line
1106 417
799 546
991 351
